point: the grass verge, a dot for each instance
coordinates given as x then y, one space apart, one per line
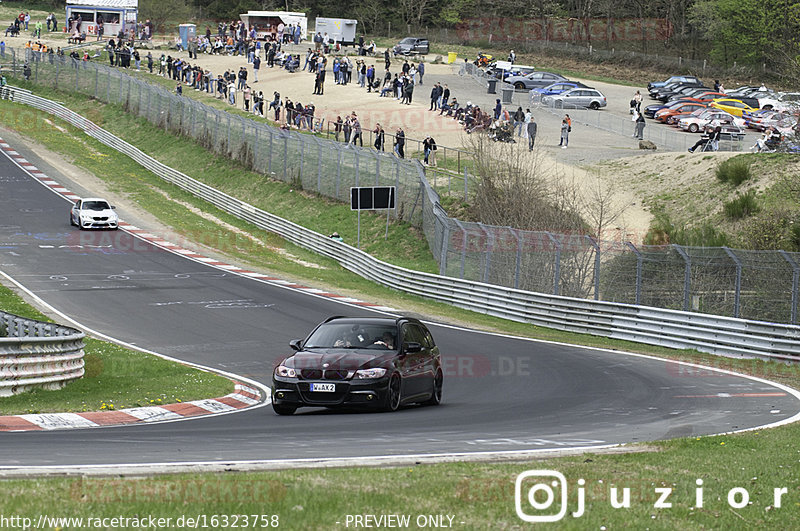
476 496
115 378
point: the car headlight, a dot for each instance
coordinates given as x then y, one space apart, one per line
287 372
365 374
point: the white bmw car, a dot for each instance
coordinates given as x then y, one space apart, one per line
93 213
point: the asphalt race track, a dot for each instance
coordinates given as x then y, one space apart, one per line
500 393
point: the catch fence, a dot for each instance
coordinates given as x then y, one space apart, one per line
759 285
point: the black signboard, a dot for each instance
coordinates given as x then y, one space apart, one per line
372 197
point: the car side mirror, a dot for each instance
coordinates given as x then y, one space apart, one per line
411 347
113 207
295 344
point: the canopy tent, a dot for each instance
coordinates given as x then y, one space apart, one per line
264 20
115 15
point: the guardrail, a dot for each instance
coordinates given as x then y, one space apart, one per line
670 328
40 355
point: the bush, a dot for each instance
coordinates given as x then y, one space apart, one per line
663 231
744 205
735 170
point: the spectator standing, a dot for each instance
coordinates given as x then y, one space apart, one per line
531 131
150 62
498 109
246 94
564 134
637 102
640 126
421 71
256 67
512 57
400 142
445 97
337 127
519 121
356 124
435 97
179 89
386 59
379 137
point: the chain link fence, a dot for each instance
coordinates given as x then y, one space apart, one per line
760 285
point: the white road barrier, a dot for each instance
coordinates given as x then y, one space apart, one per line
34 354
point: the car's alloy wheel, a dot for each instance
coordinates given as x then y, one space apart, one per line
283 410
519 86
393 394
71 221
436 397
693 128
594 105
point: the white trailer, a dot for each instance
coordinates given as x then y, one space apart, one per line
266 21
342 30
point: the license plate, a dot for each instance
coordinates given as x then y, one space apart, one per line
323 387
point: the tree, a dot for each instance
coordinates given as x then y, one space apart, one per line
160 11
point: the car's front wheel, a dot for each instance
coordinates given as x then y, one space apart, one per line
436 396
693 128
71 221
281 409
392 402
519 85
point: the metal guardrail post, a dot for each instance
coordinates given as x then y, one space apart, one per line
557 264
687 276
466 191
738 289
795 280
596 279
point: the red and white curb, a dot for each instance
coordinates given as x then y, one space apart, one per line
59 189
244 397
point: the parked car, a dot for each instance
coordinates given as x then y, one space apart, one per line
734 106
411 46
673 79
695 122
378 362
577 98
786 101
93 213
666 93
515 70
558 88
683 109
534 80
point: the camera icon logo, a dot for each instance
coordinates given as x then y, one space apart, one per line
532 500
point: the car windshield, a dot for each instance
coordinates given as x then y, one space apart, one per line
95 205
353 335
408 40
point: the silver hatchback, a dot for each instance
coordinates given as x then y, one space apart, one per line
577 98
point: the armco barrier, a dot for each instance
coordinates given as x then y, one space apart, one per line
707 333
37 355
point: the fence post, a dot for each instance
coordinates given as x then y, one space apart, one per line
795 279
443 252
736 295
687 276
463 247
466 191
557 264
518 264
638 298
269 155
594 244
